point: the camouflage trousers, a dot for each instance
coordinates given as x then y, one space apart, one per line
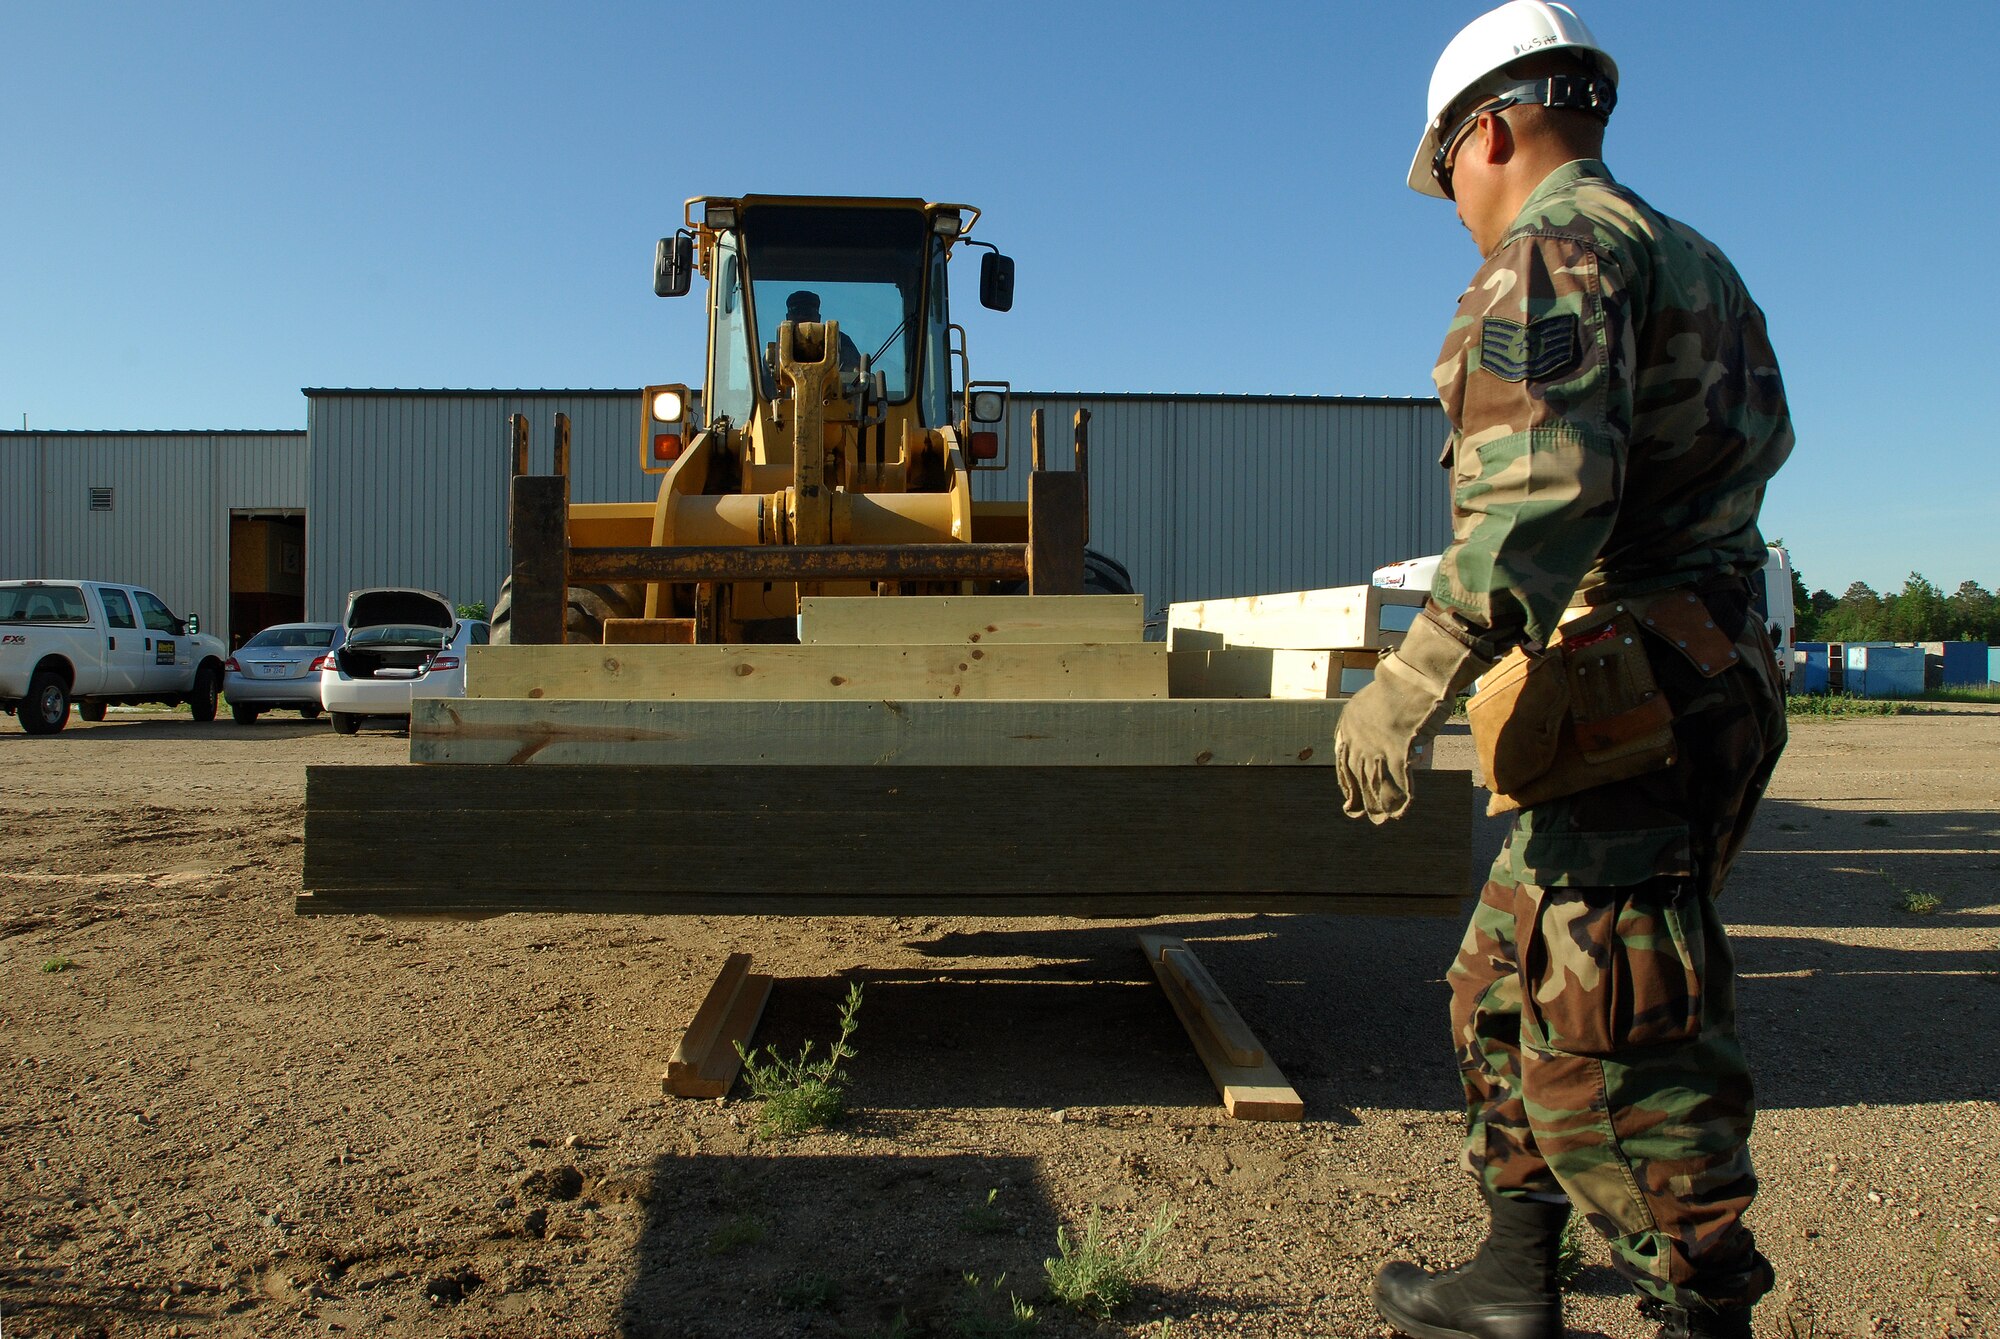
1593 997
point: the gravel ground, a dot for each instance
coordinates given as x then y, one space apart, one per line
221 1119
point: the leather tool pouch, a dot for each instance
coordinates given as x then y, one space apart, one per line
1582 714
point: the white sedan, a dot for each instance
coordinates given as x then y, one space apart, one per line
400 645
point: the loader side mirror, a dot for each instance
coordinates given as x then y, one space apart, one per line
996 281
673 265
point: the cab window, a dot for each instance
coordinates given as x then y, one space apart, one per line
117 609
156 616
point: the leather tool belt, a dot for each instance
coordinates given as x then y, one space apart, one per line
1586 710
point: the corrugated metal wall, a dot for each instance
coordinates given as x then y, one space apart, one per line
1207 496
172 494
409 488
1199 496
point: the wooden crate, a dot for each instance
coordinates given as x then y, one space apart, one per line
982 620
1261 672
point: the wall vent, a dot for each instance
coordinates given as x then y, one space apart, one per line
100 499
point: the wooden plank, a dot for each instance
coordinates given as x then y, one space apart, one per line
539 519
705 1063
1264 672
972 619
1057 523
781 673
928 733
1341 617
1252 1088
633 837
649 632
1225 1026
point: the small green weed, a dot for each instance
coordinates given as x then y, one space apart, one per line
740 1231
981 1315
58 964
1913 900
1569 1252
1097 1278
803 1094
809 1292
985 1218
1840 706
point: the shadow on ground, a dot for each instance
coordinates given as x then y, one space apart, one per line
829 1245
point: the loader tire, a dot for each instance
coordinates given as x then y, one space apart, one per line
583 621
1102 575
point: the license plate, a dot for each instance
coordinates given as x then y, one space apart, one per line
267 670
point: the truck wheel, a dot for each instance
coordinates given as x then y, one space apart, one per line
46 708
583 620
309 712
346 723
90 711
243 715
207 690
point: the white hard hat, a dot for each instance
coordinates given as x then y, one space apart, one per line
1492 41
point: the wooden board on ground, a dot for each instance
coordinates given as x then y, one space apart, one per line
983 620
705 1062
1262 672
782 673
1252 1087
873 840
1342 617
926 733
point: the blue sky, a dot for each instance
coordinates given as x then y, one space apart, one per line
209 207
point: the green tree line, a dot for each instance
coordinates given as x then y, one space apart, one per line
1919 612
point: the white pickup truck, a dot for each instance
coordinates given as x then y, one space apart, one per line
96 643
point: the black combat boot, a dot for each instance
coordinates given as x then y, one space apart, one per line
1727 1322
1506 1291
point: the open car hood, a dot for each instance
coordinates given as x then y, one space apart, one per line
406 606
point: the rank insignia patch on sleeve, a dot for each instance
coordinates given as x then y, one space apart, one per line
1537 351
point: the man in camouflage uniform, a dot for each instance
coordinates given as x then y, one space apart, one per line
1616 412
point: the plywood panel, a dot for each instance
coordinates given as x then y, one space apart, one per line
924 733
1261 672
1340 617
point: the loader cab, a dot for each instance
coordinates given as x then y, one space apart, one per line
876 267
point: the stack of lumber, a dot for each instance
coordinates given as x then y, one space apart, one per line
1299 644
911 755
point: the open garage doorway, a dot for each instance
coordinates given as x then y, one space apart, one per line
267 571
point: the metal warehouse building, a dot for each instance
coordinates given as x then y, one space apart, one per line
1199 495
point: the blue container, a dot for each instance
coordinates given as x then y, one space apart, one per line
1881 669
1965 663
1809 671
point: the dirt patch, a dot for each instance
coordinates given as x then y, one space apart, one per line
221 1119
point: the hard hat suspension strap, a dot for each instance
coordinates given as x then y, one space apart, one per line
1592 94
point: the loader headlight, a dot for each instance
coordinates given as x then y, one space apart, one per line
668 406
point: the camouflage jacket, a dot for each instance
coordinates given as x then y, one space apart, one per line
1616 412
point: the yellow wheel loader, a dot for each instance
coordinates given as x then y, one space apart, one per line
830 450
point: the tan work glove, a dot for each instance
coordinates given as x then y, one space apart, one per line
1394 718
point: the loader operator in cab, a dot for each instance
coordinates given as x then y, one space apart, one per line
1616 413
803 306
